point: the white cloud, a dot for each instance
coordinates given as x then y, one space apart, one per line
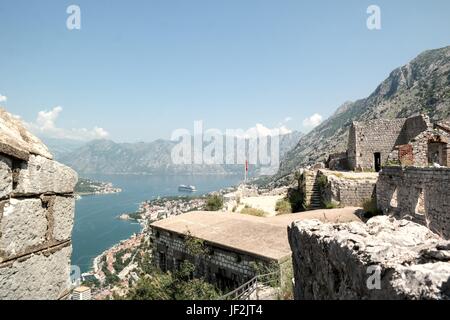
313 121
45 126
260 130
46 119
287 119
3 98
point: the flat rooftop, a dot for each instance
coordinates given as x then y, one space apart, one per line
257 236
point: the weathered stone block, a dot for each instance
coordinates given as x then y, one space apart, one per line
63 212
16 141
43 276
6 181
41 175
332 261
23 225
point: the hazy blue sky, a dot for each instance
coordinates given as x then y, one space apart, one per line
140 69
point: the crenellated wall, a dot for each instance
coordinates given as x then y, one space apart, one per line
36 216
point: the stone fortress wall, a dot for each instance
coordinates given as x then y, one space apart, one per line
419 194
384 259
36 216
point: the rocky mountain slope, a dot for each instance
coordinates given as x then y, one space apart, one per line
421 86
108 157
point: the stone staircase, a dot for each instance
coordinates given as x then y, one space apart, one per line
312 190
315 197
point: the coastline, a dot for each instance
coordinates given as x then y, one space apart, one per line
150 211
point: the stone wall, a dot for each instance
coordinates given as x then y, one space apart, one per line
346 189
223 267
383 259
412 128
367 138
420 194
36 216
337 161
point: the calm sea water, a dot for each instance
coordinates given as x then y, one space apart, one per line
96 225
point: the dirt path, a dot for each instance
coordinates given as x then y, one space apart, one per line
265 203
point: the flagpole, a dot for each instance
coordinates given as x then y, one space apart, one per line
246 171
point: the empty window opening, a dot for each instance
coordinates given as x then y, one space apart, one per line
420 206
437 153
162 261
394 199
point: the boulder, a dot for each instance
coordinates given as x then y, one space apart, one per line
383 259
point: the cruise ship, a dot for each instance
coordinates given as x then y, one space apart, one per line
185 188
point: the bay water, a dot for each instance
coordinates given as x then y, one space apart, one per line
96 227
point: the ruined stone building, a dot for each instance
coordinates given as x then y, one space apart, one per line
36 216
411 141
418 194
236 246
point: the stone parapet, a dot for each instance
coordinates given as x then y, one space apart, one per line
36 217
383 259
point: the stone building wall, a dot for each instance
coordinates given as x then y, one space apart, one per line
420 194
385 259
413 127
337 161
347 191
224 267
367 138
36 217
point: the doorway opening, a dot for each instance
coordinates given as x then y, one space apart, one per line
377 161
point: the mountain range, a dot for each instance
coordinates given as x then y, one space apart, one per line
109 157
421 86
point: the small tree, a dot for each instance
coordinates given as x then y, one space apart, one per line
283 206
155 287
194 246
214 203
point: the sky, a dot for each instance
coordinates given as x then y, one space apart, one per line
139 69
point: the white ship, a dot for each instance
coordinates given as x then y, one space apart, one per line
185 188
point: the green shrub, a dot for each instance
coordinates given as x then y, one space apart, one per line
194 246
297 200
283 206
196 289
254 212
214 203
180 285
370 207
322 181
330 205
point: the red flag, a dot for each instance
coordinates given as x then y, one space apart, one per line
246 165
